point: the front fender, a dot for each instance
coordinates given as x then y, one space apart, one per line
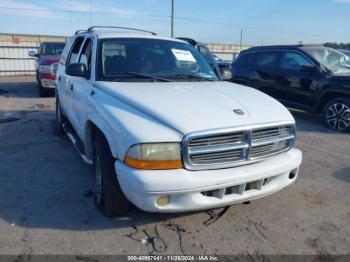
124 126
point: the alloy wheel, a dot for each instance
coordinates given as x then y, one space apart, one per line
338 116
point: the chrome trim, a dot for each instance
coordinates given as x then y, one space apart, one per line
246 144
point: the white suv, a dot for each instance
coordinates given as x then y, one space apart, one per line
162 131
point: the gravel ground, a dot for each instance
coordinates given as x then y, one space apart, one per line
47 206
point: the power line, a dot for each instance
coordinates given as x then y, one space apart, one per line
81 12
249 27
167 16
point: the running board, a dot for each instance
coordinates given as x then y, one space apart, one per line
76 141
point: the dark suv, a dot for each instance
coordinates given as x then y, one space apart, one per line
308 77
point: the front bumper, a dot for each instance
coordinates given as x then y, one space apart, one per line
199 190
47 83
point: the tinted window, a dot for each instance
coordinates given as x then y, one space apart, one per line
52 48
75 50
293 61
65 52
86 52
242 59
206 53
150 56
263 59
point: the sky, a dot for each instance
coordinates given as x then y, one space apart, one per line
210 21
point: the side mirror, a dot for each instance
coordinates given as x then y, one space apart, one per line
32 53
226 75
77 69
308 68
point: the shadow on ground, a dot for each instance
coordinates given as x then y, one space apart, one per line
343 174
45 184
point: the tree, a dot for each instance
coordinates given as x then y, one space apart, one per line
343 46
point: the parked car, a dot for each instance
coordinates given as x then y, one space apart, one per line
49 54
218 67
223 65
162 132
308 77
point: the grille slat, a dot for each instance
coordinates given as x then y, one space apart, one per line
228 149
216 140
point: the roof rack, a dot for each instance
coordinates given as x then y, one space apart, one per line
80 31
92 28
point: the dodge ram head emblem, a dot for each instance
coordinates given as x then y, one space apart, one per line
238 112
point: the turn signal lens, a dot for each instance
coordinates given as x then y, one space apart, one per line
159 156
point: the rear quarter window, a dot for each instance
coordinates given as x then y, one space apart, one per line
65 51
263 59
242 60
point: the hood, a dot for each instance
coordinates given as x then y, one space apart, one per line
195 106
341 77
49 59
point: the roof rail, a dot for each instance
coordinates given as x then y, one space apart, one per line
91 29
80 31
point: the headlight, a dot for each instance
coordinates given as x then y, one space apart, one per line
154 156
44 68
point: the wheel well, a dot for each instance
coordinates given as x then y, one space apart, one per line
328 97
91 132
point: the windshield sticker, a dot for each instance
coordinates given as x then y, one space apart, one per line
183 55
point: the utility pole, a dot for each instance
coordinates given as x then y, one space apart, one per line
241 40
172 17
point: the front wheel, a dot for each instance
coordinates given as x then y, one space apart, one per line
336 114
109 197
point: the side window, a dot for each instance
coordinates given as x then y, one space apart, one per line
242 60
206 54
86 52
264 59
65 52
293 61
73 58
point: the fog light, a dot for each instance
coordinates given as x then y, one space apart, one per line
293 174
163 200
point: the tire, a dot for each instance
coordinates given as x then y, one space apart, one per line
60 117
109 197
336 114
43 91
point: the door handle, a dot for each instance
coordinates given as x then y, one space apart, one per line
71 87
59 78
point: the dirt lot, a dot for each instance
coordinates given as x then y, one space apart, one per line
46 204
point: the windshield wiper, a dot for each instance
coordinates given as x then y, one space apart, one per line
191 76
143 76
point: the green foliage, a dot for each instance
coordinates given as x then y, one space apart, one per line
338 45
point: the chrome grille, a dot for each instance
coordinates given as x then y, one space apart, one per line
217 140
231 147
270 132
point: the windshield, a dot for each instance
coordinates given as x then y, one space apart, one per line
52 48
133 59
335 61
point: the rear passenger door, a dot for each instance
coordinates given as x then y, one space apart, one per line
82 87
262 70
68 82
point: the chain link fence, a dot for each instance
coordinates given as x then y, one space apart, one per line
14 59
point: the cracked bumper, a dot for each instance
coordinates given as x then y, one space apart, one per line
193 190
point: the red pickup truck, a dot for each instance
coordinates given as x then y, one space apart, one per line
48 55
